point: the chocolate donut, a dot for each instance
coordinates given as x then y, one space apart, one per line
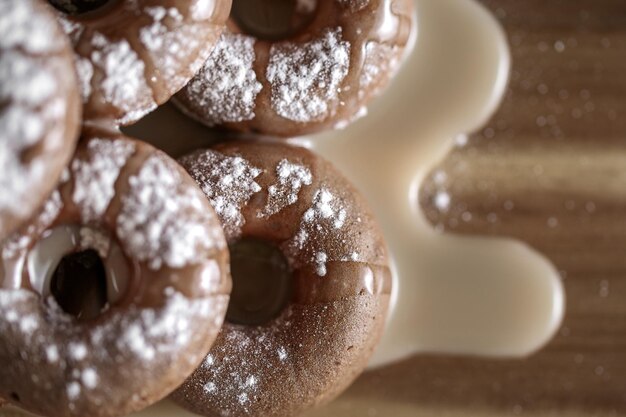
307 335
113 295
134 55
39 108
309 67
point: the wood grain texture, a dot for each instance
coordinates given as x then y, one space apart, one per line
548 169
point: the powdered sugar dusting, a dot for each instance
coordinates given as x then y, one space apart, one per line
170 42
23 26
235 384
319 226
84 69
290 178
320 261
282 353
173 39
226 88
171 326
123 84
96 174
73 391
77 351
163 221
33 110
20 240
306 78
381 61
227 181
85 362
154 36
89 378
256 370
96 240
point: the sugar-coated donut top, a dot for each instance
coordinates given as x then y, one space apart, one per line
306 78
162 220
94 178
159 218
134 56
319 77
228 182
327 218
321 340
227 86
79 362
34 104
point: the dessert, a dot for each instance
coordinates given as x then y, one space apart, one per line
293 68
134 55
299 335
39 108
112 296
114 292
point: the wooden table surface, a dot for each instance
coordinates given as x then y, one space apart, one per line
548 169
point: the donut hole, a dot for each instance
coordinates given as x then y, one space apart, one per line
79 284
76 7
273 20
262 282
82 269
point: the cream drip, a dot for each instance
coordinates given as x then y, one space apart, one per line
461 295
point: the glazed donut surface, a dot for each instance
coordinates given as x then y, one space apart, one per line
133 55
317 345
165 259
39 108
319 77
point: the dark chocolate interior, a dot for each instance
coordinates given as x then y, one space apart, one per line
75 7
262 282
272 20
79 284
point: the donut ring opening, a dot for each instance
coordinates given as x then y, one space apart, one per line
76 7
79 284
273 20
81 268
262 282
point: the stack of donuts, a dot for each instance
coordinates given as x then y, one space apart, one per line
246 279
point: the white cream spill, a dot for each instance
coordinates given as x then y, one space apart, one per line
461 295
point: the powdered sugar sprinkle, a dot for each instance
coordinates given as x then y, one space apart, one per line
123 84
162 221
227 181
290 178
306 78
96 174
322 221
161 331
226 88
34 111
